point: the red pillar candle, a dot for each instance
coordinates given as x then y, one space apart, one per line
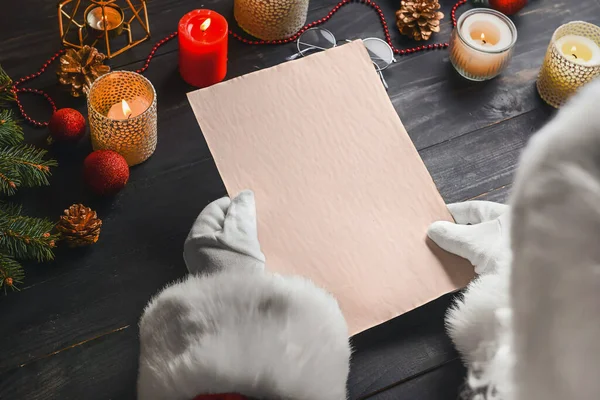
508 7
203 47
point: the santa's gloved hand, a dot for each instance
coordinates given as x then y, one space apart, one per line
224 236
231 329
480 234
472 320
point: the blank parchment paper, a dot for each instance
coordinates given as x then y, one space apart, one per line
342 195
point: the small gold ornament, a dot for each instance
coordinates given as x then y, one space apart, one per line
79 226
418 19
80 68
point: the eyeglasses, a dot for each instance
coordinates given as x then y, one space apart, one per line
317 39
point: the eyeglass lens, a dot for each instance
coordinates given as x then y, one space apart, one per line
380 52
315 39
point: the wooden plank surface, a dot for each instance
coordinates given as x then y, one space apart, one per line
100 368
442 383
399 349
72 331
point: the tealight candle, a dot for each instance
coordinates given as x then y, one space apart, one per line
122 115
203 47
126 110
572 60
579 49
481 44
108 17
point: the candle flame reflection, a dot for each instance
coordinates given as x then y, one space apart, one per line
126 109
205 25
102 22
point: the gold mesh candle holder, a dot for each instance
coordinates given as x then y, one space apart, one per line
270 19
134 137
561 74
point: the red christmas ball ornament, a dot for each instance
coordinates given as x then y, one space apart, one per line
508 7
105 172
67 124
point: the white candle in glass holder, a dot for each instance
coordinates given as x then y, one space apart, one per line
486 32
482 43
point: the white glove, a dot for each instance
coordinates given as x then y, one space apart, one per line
224 236
481 234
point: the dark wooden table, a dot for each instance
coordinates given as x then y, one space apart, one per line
71 333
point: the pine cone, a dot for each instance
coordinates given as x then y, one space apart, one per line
80 226
419 18
80 68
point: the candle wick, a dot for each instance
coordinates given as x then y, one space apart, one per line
574 55
483 40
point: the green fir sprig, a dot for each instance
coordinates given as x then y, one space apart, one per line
25 237
23 165
11 273
11 133
6 84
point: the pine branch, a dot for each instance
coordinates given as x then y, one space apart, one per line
25 237
6 94
11 132
11 273
30 163
23 165
9 179
10 208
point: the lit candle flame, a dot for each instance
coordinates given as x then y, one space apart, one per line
205 25
126 109
483 38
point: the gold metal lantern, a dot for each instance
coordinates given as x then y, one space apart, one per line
117 25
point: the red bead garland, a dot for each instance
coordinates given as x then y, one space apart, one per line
388 38
153 51
453 12
16 90
22 111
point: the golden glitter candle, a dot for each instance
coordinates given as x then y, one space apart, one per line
481 45
572 60
122 115
270 19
